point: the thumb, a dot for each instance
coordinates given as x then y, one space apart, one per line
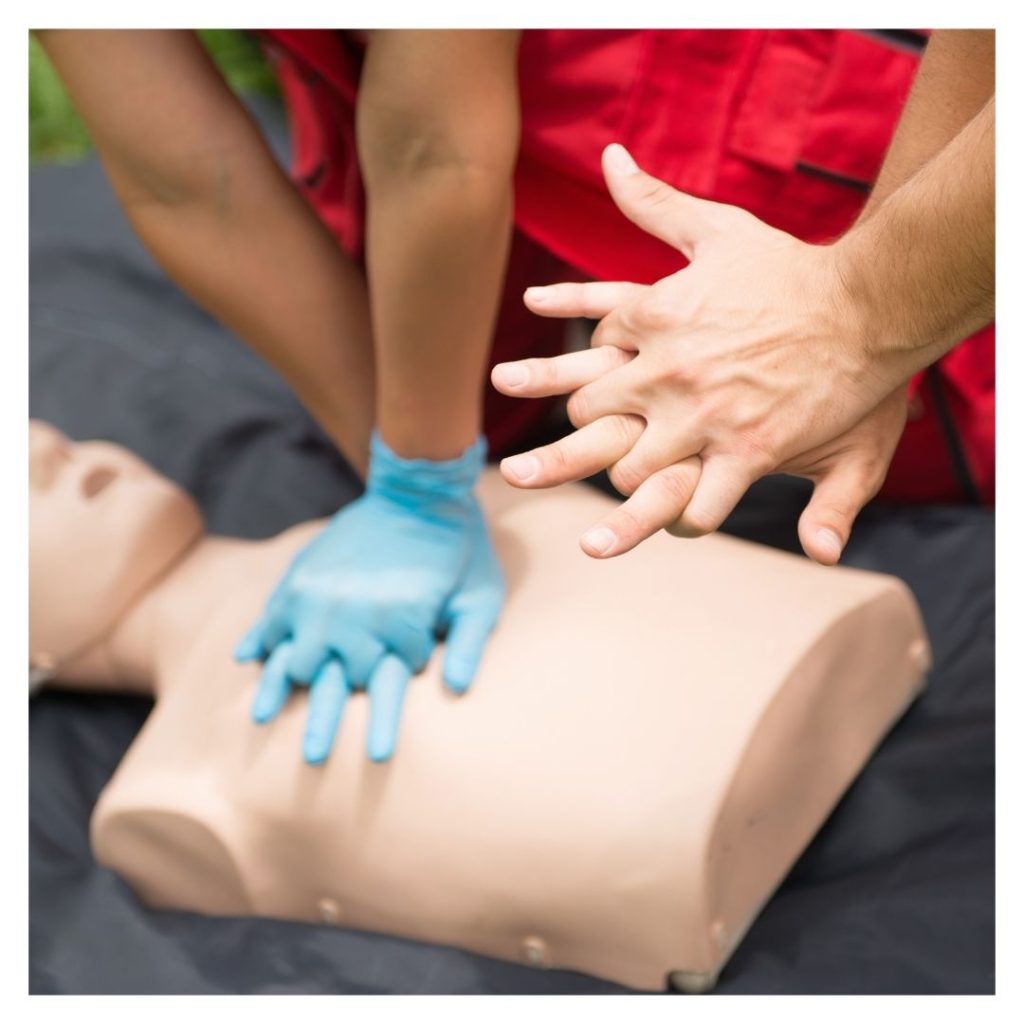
674 217
838 497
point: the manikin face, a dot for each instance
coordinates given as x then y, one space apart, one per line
103 526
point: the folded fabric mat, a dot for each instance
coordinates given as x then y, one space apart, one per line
896 893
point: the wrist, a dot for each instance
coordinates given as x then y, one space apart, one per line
415 482
869 315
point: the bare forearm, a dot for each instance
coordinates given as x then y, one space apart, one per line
208 199
922 267
919 263
436 259
438 133
955 79
260 262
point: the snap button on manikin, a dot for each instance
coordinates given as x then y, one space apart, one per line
329 910
535 951
920 656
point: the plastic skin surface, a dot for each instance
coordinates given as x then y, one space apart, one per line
649 745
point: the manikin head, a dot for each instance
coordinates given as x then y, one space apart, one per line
103 527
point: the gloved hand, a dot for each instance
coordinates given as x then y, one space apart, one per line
361 604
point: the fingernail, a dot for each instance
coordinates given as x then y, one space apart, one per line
522 467
599 540
538 296
829 540
512 375
617 159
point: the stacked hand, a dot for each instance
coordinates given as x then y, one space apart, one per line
749 361
361 605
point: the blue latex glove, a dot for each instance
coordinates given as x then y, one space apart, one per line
362 603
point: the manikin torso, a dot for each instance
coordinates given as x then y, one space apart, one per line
649 744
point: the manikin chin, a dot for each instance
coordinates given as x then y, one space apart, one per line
649 745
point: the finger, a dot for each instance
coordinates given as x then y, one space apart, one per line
679 219
327 696
617 391
838 497
386 692
309 651
411 643
653 451
657 502
276 628
591 299
359 652
724 479
539 378
581 454
250 647
464 645
272 690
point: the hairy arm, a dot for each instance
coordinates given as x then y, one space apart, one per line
920 262
209 201
438 128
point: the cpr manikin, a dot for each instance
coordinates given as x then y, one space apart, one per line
650 743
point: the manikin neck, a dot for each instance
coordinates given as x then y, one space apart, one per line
161 623
130 656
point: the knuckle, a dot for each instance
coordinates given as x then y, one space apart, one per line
628 525
757 450
675 486
614 356
623 479
554 460
656 194
873 471
681 376
699 523
537 371
612 332
625 429
837 510
655 312
577 408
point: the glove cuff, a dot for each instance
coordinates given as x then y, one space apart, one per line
411 481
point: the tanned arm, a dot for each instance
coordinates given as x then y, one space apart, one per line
438 131
208 200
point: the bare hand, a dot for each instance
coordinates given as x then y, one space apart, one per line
747 362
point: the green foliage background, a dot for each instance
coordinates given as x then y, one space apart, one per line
56 132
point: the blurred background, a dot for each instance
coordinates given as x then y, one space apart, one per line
56 133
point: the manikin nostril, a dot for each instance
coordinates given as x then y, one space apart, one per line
96 480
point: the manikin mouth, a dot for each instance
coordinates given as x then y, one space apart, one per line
97 480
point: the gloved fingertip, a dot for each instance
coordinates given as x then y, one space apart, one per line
379 752
261 712
247 649
313 752
457 681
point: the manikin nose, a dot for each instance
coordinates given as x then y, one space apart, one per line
96 480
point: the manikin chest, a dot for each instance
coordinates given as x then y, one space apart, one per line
619 793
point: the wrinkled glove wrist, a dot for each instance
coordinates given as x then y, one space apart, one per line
421 484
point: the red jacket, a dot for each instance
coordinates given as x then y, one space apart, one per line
789 124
